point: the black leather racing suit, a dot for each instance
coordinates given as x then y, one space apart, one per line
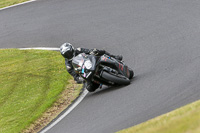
89 85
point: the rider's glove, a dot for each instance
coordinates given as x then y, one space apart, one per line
94 51
79 80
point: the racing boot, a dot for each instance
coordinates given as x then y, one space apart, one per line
118 57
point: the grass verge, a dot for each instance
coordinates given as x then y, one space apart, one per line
5 3
183 120
31 81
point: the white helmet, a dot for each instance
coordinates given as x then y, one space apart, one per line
67 51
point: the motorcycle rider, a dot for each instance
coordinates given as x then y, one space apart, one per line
68 52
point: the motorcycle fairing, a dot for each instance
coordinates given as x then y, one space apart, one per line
115 64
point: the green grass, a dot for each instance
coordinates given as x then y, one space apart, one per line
183 120
5 3
30 82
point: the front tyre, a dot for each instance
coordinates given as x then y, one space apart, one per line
116 79
91 87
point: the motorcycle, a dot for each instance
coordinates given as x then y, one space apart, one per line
103 70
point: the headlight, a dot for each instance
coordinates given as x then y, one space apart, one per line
88 64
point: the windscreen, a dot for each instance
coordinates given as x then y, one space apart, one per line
77 62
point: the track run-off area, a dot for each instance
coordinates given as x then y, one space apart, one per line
159 40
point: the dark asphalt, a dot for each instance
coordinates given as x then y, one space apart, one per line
159 39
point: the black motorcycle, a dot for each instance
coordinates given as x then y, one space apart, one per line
104 70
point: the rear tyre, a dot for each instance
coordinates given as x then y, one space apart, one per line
116 79
131 73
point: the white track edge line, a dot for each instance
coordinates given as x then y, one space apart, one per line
80 98
17 4
40 48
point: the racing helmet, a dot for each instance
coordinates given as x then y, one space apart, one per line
67 51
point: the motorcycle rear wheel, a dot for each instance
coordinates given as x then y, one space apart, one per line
131 73
116 79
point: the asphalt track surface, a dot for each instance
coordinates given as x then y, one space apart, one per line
159 39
